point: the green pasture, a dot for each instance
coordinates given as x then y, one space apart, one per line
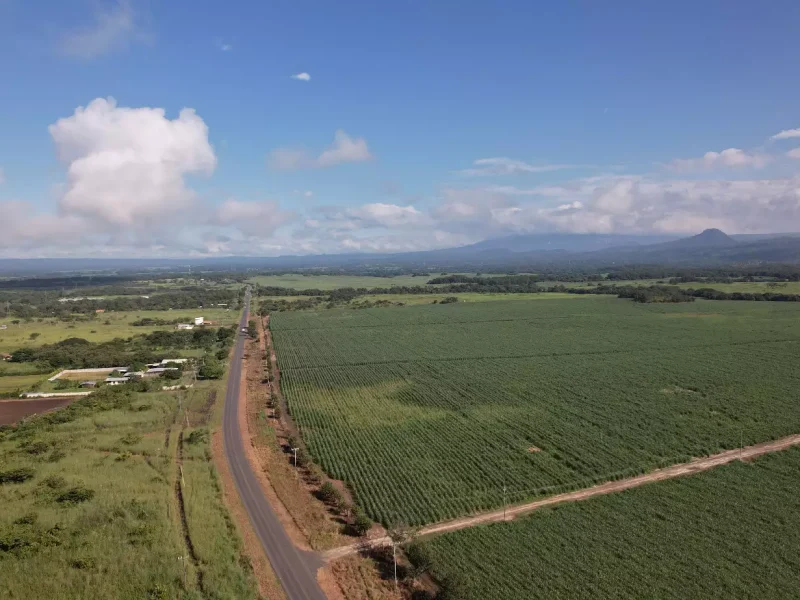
103 327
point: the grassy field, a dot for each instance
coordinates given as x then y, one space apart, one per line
791 287
414 299
331 282
427 412
11 383
104 327
727 533
100 516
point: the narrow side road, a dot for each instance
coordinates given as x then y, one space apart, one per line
295 569
610 487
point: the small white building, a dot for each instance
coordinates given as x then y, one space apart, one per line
116 380
158 371
185 326
175 360
199 320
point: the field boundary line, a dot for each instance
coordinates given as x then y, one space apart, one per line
697 465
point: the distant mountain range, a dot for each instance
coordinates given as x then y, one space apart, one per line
711 247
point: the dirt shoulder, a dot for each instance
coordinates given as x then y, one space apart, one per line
512 512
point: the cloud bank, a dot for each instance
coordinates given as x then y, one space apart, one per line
127 190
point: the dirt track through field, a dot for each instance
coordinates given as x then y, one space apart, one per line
695 466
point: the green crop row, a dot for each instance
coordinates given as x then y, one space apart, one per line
728 533
429 412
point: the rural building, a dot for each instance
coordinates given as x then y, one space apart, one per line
88 384
199 320
174 360
159 370
3 326
116 380
185 326
99 310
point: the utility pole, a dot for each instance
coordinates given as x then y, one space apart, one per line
295 456
394 557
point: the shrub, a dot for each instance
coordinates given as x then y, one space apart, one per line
303 459
157 592
56 455
54 482
16 475
315 473
36 448
83 563
129 439
75 495
328 493
198 436
361 524
27 519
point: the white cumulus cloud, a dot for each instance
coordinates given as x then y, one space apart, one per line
302 76
730 158
786 134
127 166
345 149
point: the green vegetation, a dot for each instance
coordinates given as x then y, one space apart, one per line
135 351
426 412
332 282
90 506
13 383
727 533
100 327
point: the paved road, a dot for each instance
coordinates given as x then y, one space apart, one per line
295 569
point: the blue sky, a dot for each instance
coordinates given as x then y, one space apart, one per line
582 116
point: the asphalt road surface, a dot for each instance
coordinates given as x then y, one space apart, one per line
296 569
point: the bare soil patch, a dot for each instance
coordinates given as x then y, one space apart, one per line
533 449
12 411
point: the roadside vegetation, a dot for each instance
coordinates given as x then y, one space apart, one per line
90 504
